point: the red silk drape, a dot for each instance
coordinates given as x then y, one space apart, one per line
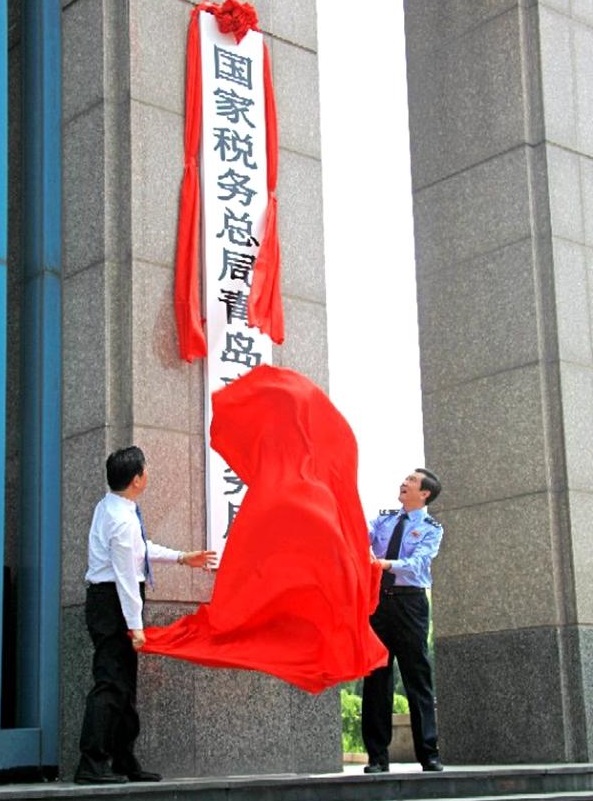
296 585
265 301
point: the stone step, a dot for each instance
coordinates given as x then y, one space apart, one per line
502 783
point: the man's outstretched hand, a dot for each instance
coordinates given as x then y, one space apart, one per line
207 560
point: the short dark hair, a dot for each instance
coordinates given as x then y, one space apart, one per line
430 482
123 466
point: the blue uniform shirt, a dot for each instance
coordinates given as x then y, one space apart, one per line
420 544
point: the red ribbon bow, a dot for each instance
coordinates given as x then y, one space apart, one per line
236 18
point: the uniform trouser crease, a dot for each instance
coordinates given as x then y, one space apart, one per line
401 623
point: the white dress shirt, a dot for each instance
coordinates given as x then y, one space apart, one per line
116 553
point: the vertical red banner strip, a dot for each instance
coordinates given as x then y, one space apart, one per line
192 342
265 299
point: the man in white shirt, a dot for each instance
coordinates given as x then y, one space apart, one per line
118 566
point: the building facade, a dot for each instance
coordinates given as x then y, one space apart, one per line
91 157
501 128
91 148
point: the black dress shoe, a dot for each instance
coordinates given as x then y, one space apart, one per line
106 776
376 767
433 764
144 776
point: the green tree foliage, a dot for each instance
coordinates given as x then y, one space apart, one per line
351 709
351 736
400 705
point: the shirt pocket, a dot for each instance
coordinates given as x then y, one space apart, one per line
410 541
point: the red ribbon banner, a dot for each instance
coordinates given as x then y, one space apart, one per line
264 309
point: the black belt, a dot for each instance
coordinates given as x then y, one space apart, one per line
90 584
400 590
100 584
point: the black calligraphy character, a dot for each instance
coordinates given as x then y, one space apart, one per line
233 106
232 67
226 380
239 349
232 509
238 229
235 185
238 266
236 305
233 147
233 480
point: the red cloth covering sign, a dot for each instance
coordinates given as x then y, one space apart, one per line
295 586
265 303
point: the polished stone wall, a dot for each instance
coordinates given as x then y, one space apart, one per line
123 95
501 123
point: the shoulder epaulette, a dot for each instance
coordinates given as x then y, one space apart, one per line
387 511
432 521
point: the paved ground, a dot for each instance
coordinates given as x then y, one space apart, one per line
394 767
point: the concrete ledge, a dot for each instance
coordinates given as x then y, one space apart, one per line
546 782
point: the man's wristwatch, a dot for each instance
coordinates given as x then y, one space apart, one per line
181 558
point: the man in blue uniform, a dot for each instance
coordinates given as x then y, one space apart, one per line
404 542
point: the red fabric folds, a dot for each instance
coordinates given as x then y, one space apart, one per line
188 300
235 18
295 586
264 307
265 302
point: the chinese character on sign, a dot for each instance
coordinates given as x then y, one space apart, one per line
233 106
232 67
239 348
235 185
235 201
232 147
232 508
238 266
232 480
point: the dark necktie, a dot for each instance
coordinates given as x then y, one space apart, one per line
148 575
392 552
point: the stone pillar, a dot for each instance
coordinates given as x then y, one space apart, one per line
501 121
123 98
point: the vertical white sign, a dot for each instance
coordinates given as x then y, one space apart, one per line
234 200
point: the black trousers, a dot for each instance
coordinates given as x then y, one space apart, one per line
401 623
110 725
